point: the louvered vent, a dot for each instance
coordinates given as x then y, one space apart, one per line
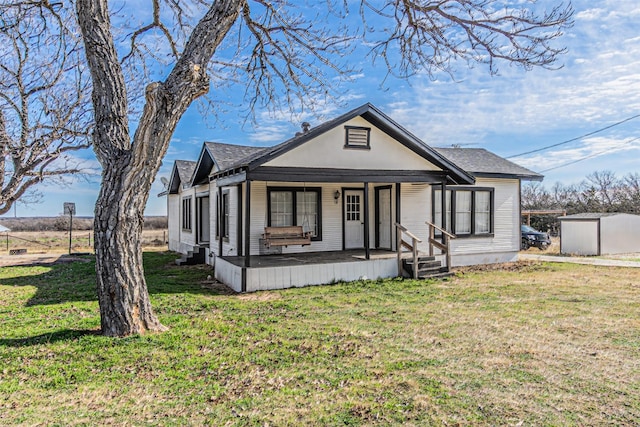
357 137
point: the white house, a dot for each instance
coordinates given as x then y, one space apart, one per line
352 191
599 233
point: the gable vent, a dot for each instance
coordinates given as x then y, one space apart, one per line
357 137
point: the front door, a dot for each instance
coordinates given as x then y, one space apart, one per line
353 219
383 217
202 220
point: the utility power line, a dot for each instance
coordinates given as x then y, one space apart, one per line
590 156
575 139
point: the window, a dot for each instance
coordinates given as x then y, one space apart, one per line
357 137
463 212
222 228
353 207
469 211
186 213
483 212
295 206
225 215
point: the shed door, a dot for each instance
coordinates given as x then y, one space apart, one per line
353 219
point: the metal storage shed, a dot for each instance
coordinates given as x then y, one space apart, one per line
599 233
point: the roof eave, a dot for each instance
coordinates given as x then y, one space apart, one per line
522 177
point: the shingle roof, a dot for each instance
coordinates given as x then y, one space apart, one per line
185 169
481 162
228 155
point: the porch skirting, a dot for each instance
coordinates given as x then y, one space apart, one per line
268 277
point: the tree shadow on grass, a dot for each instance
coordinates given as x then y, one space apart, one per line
76 281
49 338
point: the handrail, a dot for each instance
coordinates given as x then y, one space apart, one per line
440 229
444 246
410 234
413 246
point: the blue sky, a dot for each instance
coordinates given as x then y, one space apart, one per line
508 114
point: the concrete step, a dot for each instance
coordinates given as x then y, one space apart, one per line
193 257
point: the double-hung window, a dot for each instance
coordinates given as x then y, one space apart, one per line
469 210
222 208
186 214
295 206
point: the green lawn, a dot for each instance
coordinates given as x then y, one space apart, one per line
530 344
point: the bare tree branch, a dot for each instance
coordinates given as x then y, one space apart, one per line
44 105
429 36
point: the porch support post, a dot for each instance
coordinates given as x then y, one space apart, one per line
443 203
219 221
239 238
247 225
398 210
367 251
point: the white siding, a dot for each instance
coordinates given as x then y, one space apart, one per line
328 151
173 221
505 242
415 210
187 238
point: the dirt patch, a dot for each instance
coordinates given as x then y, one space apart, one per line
260 296
39 259
217 287
518 266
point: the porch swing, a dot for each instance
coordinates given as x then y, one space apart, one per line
288 234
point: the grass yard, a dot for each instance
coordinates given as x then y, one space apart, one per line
531 344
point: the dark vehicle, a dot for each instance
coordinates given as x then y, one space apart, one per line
533 237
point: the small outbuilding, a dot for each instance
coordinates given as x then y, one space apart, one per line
599 233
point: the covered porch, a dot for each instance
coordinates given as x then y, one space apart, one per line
303 269
283 271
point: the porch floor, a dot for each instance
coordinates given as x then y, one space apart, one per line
331 257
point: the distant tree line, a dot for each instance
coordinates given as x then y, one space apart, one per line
61 223
600 191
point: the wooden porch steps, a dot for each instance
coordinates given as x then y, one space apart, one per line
193 257
428 267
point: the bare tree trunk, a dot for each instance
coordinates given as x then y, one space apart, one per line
122 291
130 166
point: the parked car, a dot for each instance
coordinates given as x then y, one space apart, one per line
533 237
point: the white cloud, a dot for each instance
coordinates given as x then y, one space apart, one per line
599 84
